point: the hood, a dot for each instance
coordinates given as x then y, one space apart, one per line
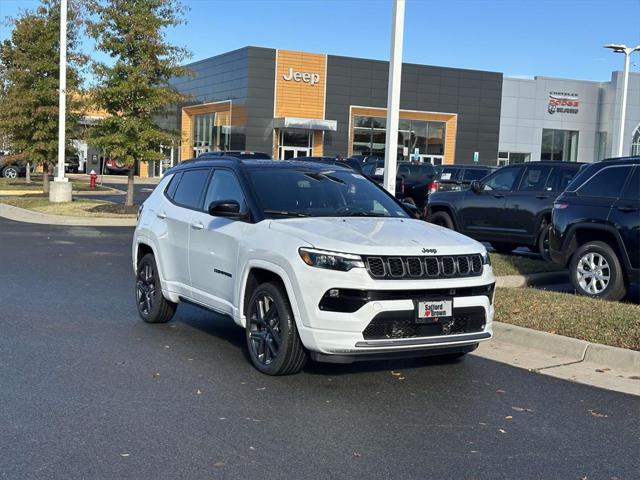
376 236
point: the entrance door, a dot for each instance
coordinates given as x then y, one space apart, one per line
294 152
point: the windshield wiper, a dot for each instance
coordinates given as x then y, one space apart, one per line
285 213
360 214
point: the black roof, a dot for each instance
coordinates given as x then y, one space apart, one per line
621 161
254 164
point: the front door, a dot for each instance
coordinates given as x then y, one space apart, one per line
213 245
625 216
294 152
483 213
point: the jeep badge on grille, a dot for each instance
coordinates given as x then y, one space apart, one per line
429 250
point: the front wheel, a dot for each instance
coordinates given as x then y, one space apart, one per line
152 306
543 241
596 272
274 345
10 172
442 219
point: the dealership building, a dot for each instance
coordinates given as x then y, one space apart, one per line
294 104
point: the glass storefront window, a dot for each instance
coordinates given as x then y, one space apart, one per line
369 136
561 145
635 142
207 135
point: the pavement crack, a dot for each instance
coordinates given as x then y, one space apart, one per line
581 360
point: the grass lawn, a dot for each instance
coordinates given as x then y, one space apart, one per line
79 207
600 321
518 265
36 184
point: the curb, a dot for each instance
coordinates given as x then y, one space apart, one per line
22 215
532 279
578 350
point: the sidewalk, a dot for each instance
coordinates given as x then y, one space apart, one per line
29 216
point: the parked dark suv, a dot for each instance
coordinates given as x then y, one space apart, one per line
413 180
509 208
596 228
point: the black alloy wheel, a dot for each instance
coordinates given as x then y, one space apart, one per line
152 306
273 342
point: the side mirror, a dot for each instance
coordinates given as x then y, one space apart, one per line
477 186
225 208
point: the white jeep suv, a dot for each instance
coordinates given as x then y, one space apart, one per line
312 261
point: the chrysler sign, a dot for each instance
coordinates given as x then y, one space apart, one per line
305 77
562 102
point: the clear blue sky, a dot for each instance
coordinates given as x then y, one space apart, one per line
561 38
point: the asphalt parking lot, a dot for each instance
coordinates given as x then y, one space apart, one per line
87 390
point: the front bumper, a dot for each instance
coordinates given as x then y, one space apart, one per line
341 334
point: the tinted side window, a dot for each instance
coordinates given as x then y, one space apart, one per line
472 174
566 175
535 178
173 185
632 192
608 182
502 180
190 188
369 169
224 186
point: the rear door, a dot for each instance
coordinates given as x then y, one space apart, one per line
174 219
534 195
213 246
625 217
483 213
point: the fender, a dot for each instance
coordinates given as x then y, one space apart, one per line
143 239
241 319
569 243
449 206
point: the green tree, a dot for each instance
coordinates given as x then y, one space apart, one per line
134 88
30 91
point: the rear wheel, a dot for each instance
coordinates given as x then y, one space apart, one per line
442 219
596 272
502 247
274 345
152 306
543 241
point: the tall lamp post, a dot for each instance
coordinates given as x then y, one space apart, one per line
625 86
393 97
60 189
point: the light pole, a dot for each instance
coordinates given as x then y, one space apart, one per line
60 190
625 86
393 97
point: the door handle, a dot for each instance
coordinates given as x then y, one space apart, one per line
498 196
627 209
161 215
542 197
197 226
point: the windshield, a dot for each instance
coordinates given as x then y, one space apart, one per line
328 193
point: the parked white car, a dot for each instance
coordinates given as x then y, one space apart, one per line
312 261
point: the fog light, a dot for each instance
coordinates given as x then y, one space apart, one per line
334 293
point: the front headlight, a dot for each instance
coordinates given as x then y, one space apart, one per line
486 260
330 260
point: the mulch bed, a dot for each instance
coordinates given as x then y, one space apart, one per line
117 208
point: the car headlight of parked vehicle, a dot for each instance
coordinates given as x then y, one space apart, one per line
485 258
330 260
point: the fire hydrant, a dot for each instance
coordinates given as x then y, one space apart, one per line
93 176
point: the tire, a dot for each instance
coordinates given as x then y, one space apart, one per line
598 257
151 304
272 337
443 219
543 241
501 247
10 172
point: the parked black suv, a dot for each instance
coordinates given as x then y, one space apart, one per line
413 180
596 228
509 208
459 177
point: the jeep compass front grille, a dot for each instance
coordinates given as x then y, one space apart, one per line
411 268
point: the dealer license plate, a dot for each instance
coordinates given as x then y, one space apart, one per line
433 310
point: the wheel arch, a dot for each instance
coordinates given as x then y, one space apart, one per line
448 209
257 272
582 233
